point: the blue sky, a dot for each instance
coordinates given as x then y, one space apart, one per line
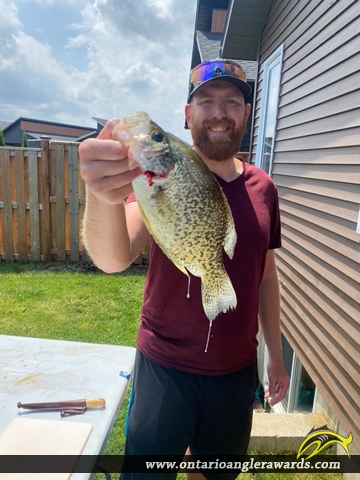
71 60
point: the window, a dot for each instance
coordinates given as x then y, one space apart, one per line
305 392
301 392
268 110
218 20
288 356
300 397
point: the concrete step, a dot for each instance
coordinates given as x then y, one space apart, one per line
282 432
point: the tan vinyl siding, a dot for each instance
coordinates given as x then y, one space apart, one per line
316 168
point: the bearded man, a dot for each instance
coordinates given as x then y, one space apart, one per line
182 396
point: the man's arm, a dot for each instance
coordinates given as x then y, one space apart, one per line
269 315
114 234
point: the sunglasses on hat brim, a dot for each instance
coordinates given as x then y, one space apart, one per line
212 69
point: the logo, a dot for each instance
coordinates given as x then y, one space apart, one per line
322 438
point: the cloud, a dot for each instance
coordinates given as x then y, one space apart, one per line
9 17
113 59
149 19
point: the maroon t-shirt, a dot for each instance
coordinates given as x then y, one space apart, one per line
174 329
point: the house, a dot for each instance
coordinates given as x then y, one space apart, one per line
37 130
305 133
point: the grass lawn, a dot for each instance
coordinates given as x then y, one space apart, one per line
70 303
79 303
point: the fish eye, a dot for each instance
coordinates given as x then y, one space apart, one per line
157 137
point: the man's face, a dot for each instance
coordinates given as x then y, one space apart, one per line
217 117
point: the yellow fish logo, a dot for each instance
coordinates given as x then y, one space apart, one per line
321 439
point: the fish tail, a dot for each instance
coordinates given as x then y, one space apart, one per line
218 294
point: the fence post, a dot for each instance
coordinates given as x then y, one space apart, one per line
21 206
60 203
34 206
8 221
74 202
44 199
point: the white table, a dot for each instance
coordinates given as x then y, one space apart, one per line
38 370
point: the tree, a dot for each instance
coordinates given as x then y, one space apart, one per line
2 141
25 143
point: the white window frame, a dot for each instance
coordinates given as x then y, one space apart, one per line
294 383
275 58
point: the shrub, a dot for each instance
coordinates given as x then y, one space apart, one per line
25 143
2 141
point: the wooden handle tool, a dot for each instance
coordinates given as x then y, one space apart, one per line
66 404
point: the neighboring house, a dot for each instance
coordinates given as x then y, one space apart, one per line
36 130
306 135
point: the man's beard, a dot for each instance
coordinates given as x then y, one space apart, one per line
221 148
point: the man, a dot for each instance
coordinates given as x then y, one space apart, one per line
183 396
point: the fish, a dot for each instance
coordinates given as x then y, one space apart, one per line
183 208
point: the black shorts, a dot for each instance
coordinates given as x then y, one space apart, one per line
171 410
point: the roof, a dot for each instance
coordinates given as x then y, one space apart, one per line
93 134
46 122
101 121
37 130
4 124
244 24
37 137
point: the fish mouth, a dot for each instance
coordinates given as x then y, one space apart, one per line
156 177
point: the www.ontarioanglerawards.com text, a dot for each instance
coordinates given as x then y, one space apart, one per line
250 465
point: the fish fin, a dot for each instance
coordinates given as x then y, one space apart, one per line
179 265
218 294
231 237
193 269
172 258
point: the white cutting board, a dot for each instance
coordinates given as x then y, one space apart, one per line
25 436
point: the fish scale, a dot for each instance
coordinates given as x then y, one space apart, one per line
183 207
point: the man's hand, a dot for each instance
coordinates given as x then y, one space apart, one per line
105 166
278 382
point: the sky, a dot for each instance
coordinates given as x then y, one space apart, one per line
72 60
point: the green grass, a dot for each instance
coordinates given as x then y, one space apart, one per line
70 304
74 302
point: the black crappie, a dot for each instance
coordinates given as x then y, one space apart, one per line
183 207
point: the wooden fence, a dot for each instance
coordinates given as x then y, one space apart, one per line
42 200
